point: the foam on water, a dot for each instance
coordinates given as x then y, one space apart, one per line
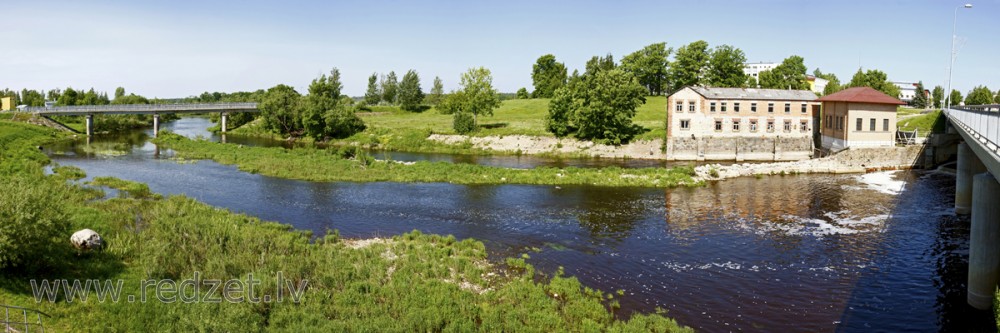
883 182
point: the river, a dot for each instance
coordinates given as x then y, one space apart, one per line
805 253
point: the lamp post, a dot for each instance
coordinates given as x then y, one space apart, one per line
952 63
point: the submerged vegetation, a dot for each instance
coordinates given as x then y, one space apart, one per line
411 282
333 165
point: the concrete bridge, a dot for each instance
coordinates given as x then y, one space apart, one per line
154 109
977 192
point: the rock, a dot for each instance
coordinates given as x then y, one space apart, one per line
86 239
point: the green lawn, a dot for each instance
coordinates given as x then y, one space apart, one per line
924 124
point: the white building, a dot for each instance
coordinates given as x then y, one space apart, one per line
754 69
907 91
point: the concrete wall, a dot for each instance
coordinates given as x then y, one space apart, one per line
708 148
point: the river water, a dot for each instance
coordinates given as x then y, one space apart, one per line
806 253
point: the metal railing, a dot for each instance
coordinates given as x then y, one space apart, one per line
21 322
982 122
145 108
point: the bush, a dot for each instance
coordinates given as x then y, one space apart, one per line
464 123
35 230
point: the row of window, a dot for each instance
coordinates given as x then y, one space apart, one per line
737 123
838 123
723 106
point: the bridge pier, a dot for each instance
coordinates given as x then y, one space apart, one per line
968 166
90 124
156 125
984 242
222 123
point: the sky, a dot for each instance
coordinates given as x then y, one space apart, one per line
181 48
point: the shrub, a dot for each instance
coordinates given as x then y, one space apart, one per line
34 231
464 123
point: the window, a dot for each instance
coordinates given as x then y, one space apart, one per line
788 107
718 125
770 125
803 126
736 107
736 125
885 125
788 126
723 107
859 124
828 122
840 123
685 124
711 107
680 106
872 124
753 107
690 106
753 125
770 107
804 108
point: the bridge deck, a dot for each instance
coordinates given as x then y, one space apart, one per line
979 126
143 109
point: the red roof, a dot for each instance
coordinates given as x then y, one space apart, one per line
861 95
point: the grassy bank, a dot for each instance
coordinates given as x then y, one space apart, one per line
412 282
933 122
337 165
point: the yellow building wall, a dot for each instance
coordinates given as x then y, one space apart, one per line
6 104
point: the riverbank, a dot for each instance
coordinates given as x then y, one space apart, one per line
411 282
349 164
848 161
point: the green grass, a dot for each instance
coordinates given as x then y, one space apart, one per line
412 282
905 111
328 165
925 124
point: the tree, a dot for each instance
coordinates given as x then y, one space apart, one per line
324 95
523 93
725 67
480 97
649 66
373 95
954 96
607 108
689 66
410 94
67 97
875 79
437 92
938 95
560 108
751 82
790 74
920 99
547 75
390 87
980 95
597 64
119 92
279 109
833 83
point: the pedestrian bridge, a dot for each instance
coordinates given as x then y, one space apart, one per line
154 109
977 192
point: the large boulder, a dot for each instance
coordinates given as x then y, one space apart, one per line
86 239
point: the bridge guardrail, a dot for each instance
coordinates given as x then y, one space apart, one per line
143 108
981 121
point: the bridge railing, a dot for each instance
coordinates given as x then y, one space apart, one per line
144 108
981 121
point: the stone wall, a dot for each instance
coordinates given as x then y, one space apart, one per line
739 148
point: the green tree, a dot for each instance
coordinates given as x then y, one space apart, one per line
523 93
833 83
35 225
560 108
689 66
875 79
919 98
649 66
606 111
480 97
547 75
373 95
980 95
390 88
725 67
279 109
119 92
751 82
437 92
324 96
790 74
410 94
938 94
67 97
954 96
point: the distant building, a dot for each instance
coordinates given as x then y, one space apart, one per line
817 84
740 124
907 91
6 104
754 68
857 118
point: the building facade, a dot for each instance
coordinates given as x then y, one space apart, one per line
740 124
817 84
907 91
858 118
754 68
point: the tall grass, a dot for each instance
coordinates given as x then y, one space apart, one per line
327 165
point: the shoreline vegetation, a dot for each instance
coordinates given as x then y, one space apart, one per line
353 164
411 282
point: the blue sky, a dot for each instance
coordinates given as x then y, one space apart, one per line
182 48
